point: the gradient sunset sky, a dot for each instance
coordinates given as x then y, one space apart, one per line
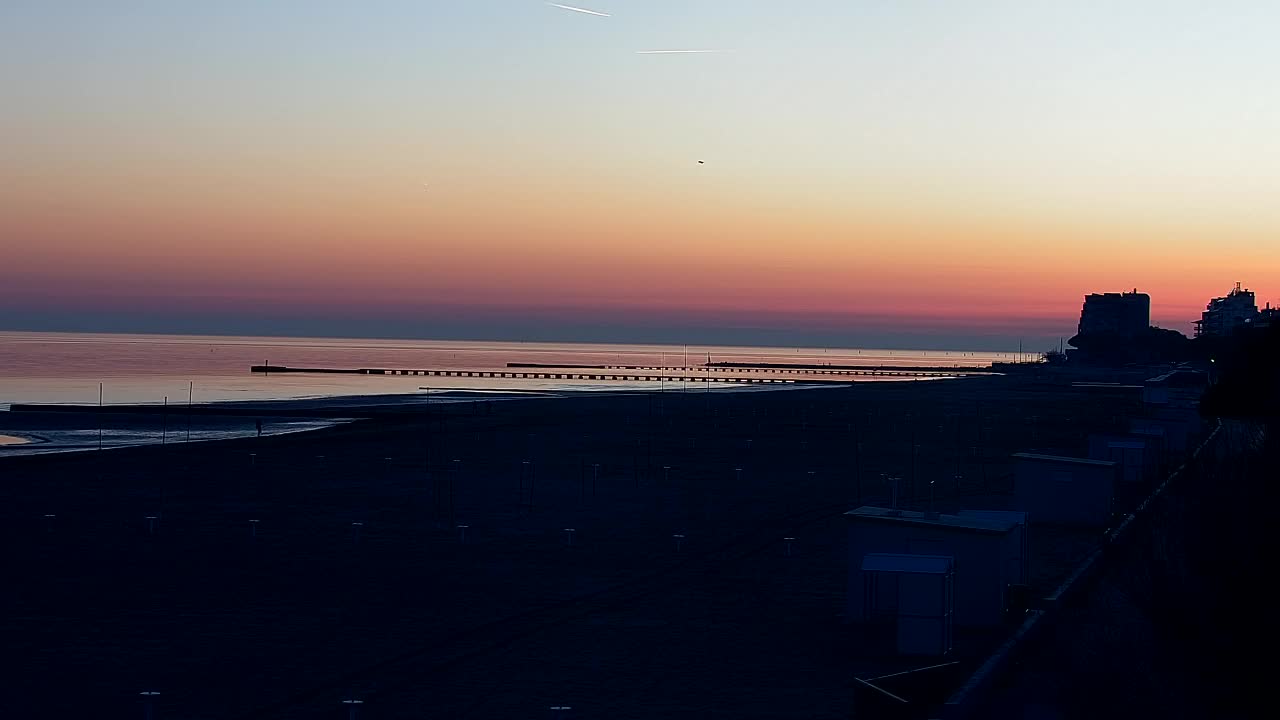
903 173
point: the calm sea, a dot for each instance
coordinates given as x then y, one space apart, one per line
68 368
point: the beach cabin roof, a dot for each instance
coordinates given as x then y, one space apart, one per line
1015 516
911 517
1062 459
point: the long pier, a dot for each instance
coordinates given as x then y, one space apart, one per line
848 370
545 374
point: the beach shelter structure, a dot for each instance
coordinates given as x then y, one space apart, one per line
983 552
1069 490
915 596
1135 456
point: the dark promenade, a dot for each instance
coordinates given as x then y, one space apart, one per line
493 560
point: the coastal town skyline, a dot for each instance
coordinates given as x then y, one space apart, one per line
902 175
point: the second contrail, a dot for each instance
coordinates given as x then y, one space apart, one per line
674 52
578 9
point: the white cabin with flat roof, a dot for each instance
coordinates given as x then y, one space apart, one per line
1133 454
915 595
983 551
1174 431
1018 571
1068 490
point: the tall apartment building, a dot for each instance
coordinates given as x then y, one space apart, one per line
1224 315
1115 314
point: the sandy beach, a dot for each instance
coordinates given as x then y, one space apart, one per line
274 577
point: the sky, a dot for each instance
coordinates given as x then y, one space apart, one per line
908 173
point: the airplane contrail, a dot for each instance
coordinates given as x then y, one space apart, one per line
674 52
578 9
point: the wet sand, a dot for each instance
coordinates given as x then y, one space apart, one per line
285 617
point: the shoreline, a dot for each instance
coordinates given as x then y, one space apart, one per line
281 417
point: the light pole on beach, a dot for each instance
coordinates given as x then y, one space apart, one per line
857 462
148 702
457 471
912 490
426 446
525 475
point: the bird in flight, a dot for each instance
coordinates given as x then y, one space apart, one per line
701 162
578 9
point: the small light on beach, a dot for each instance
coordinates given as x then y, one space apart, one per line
568 532
355 531
679 541
788 541
151 524
48 522
253 528
352 706
462 533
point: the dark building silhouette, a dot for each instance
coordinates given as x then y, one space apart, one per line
1115 314
1268 316
1224 315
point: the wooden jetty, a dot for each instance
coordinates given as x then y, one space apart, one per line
849 369
559 374
779 369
